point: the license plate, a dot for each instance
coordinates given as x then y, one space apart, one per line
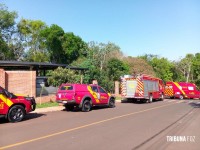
64 102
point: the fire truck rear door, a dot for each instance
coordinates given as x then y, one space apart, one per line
131 88
150 86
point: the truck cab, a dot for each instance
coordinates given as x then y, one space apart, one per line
14 107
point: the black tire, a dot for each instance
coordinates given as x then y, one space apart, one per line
86 107
16 113
144 100
111 103
69 107
129 100
150 99
181 97
162 97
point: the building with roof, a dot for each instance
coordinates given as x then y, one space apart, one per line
24 77
35 66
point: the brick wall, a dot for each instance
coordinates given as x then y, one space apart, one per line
19 82
44 99
2 78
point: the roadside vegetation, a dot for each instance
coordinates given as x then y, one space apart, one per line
47 104
35 41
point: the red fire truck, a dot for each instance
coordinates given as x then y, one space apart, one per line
14 107
181 90
142 87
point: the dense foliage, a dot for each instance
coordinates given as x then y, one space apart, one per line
34 40
62 75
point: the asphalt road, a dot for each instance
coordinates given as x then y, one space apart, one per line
168 124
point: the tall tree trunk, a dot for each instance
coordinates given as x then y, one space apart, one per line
188 73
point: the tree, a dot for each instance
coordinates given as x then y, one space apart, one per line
10 44
139 66
196 69
177 75
162 68
30 31
185 66
101 53
116 68
148 57
91 73
4 49
102 64
53 36
63 47
7 22
73 47
62 75
36 56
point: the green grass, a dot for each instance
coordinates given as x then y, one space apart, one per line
47 104
52 104
118 98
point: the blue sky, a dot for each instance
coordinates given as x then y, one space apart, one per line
168 28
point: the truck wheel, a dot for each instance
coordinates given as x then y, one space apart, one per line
162 97
181 97
86 106
150 99
111 103
16 113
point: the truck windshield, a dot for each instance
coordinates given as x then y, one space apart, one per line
66 87
6 93
102 90
94 88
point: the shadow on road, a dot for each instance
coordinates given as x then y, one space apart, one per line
27 117
76 109
138 101
195 105
33 116
3 120
133 101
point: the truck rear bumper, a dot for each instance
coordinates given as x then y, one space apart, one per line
68 102
2 116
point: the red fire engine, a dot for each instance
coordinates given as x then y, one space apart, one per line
142 87
181 90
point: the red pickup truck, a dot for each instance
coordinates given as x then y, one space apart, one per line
84 96
14 107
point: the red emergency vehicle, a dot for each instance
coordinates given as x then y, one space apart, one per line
142 87
84 96
14 107
181 90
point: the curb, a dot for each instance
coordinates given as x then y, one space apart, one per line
54 108
48 109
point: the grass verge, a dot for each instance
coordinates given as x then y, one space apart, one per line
47 104
118 98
